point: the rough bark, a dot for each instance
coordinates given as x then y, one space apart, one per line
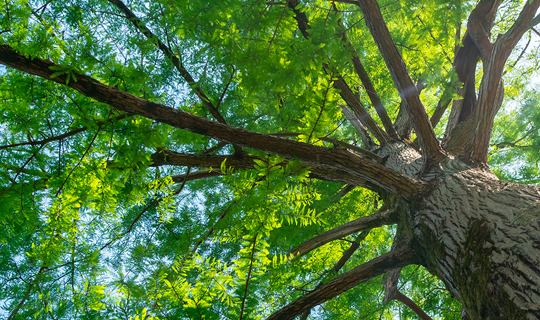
480 236
494 58
409 303
404 122
476 44
477 234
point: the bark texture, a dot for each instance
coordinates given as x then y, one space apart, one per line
480 236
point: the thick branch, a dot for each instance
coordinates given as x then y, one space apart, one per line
406 88
390 285
239 162
404 123
360 224
492 86
167 157
523 23
394 259
476 44
439 111
309 154
300 17
479 26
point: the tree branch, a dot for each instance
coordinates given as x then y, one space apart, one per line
345 91
406 88
336 159
361 113
349 252
201 174
394 259
140 25
64 135
13 313
492 87
404 123
300 18
368 85
345 145
248 276
167 157
476 44
439 111
361 224
341 262
364 135
414 307
390 285
373 96
535 21
479 26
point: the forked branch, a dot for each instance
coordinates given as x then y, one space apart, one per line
64 135
492 88
479 26
394 259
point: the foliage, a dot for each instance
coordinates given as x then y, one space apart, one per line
91 229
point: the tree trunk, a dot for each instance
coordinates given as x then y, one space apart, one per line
479 235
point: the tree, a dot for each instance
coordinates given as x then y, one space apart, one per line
226 159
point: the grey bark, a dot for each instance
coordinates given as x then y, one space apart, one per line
479 235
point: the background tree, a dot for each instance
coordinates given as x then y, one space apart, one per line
251 159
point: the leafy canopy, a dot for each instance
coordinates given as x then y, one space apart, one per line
93 228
